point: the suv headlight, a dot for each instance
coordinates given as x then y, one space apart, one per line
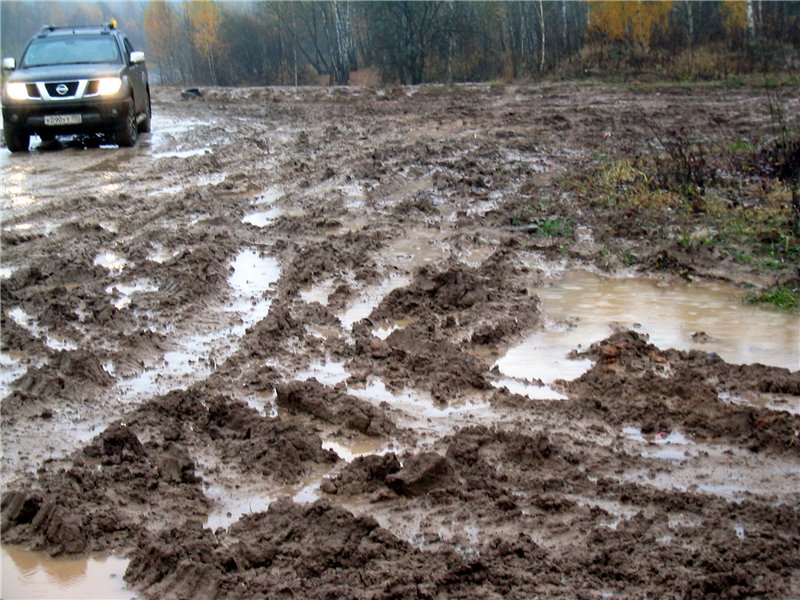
108 86
16 90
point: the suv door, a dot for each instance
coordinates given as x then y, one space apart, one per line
137 76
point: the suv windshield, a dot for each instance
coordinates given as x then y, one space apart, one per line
70 50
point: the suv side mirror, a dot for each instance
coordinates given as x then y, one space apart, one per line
9 64
137 57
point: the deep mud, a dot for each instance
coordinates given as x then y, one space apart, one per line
258 356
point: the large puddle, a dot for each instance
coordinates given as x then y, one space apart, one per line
30 575
584 308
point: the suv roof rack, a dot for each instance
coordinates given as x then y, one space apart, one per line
104 28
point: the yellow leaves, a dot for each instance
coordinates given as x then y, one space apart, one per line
633 21
204 17
734 17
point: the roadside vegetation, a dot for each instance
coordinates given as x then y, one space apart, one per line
708 192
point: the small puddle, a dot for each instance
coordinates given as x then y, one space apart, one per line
24 320
664 446
329 373
262 218
264 402
161 255
418 405
112 262
351 449
583 308
269 196
123 293
211 179
230 505
386 328
777 402
11 369
167 191
423 246
369 299
30 575
183 153
319 293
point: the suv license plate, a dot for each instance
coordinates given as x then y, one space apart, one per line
63 120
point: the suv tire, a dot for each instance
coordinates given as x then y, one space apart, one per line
125 137
144 126
16 141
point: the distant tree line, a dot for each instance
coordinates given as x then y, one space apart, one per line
410 42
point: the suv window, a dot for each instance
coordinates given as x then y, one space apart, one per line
128 50
71 50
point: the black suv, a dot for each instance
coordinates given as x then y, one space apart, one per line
76 80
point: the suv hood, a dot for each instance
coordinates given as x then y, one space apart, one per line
66 72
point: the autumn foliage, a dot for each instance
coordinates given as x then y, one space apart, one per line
632 22
406 41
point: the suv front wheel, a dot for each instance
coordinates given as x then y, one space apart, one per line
126 135
144 126
16 141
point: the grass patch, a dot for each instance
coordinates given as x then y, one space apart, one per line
782 296
555 227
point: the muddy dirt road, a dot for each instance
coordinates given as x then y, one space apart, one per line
369 343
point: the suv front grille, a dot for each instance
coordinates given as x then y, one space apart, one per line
52 89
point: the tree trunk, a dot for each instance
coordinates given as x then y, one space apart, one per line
541 22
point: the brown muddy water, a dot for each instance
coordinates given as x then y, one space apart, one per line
34 575
583 308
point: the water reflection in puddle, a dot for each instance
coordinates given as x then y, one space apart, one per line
262 218
777 402
664 446
319 293
264 402
211 179
24 320
11 369
584 308
230 505
123 292
329 373
29 575
352 449
109 260
416 404
369 299
172 189
525 388
182 153
269 196
419 247
161 255
195 356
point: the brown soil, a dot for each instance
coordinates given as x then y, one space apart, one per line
152 397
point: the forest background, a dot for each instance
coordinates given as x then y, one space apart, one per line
340 42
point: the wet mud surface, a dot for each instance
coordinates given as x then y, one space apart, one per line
262 355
